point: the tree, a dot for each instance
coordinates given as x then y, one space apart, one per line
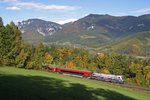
10 44
47 59
37 60
100 60
24 55
1 22
2 29
146 71
70 64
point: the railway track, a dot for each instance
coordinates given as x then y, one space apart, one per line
135 87
108 78
130 86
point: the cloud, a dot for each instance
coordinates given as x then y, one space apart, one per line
8 0
37 6
13 8
42 17
144 10
66 21
40 6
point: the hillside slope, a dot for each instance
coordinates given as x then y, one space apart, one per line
34 30
138 44
94 32
24 84
115 26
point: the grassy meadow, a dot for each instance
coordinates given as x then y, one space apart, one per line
21 84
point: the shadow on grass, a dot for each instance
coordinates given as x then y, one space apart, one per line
43 88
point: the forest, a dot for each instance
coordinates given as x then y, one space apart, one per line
16 52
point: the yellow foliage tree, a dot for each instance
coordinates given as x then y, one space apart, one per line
47 58
62 52
70 64
148 76
147 72
105 71
21 58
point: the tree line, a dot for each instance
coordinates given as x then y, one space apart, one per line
15 52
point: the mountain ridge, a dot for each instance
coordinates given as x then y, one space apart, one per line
34 30
91 31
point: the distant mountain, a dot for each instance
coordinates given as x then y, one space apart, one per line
95 32
35 29
137 44
114 26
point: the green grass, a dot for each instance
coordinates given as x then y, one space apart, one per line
21 84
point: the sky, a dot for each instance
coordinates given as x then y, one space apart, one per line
62 11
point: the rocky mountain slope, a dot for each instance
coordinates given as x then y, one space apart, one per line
92 31
34 30
114 26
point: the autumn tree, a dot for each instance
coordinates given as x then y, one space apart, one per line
25 55
48 59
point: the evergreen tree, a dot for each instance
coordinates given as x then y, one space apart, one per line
37 61
10 43
14 41
1 40
1 22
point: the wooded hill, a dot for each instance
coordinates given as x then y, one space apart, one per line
16 52
95 32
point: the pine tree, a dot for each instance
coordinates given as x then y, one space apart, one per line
1 22
37 61
1 41
14 41
10 43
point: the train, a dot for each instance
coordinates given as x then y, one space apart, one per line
88 74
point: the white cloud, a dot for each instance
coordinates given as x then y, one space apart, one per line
58 7
8 0
144 10
13 8
41 17
66 21
40 6
37 6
